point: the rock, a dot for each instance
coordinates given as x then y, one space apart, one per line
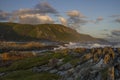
65 66
53 62
118 60
77 68
60 62
41 69
99 64
62 73
46 68
70 78
117 72
35 69
54 71
111 73
71 71
2 74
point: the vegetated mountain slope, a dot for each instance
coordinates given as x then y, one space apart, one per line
26 32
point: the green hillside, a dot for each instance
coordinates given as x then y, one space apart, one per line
26 32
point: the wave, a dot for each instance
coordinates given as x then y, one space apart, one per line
88 45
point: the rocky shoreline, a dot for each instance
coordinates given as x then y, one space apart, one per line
79 64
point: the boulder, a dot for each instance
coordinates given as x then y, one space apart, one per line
35 69
53 62
60 61
70 78
62 73
2 74
65 66
53 71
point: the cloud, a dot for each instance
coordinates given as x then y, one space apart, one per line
105 29
100 18
117 20
39 14
116 15
75 13
116 33
76 22
45 7
63 20
114 36
4 15
41 8
35 19
75 19
24 11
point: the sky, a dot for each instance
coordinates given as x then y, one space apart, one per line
98 18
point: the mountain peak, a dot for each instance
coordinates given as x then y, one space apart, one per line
54 32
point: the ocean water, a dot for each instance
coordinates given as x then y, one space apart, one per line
88 45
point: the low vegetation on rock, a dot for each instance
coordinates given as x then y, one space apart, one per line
66 64
54 32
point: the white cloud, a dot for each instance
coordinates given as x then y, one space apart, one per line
35 15
63 20
41 8
35 19
75 13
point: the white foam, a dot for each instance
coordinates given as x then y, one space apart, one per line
88 45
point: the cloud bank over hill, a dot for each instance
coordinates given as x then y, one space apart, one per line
36 15
43 13
85 18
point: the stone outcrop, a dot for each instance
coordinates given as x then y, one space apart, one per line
101 69
98 64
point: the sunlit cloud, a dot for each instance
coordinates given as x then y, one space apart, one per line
63 20
75 13
41 8
35 19
39 14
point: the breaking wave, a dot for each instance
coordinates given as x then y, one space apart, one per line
88 45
